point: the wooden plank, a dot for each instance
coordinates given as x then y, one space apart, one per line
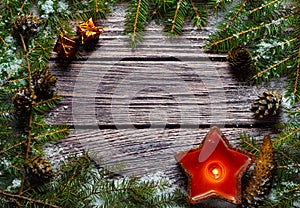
145 151
176 77
132 92
163 83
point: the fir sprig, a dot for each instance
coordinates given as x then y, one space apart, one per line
285 187
294 73
244 35
80 184
197 14
264 27
172 13
219 5
136 18
175 18
249 143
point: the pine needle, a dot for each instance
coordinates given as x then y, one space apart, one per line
282 139
297 75
175 16
136 18
263 6
248 31
231 20
250 145
136 21
52 133
29 200
259 74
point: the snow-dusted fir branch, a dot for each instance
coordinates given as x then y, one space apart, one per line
136 18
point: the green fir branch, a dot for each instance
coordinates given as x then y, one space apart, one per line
289 135
45 105
172 12
197 14
294 82
274 46
266 71
175 18
234 14
52 133
297 81
159 9
263 6
136 18
219 5
249 143
226 40
27 199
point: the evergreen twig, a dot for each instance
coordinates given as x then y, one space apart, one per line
231 20
30 116
213 44
30 200
136 18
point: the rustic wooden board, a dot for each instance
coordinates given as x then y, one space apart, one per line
123 90
139 107
144 151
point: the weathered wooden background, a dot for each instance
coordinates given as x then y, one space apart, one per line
138 108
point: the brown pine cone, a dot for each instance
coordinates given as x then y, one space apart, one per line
39 170
24 99
267 104
240 60
27 25
261 178
43 83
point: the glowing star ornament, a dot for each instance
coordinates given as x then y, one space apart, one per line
88 31
215 168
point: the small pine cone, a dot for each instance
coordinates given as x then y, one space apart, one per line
261 178
27 25
38 169
24 99
43 83
267 104
240 60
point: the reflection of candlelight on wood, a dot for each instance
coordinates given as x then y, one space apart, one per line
215 168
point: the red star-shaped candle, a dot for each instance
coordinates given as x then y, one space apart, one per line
215 168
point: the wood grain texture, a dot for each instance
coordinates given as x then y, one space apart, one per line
119 101
148 150
114 85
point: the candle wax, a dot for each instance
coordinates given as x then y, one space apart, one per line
215 170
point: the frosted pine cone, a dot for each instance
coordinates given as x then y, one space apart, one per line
267 104
27 25
24 99
43 83
38 169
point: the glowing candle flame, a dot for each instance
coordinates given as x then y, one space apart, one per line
215 171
